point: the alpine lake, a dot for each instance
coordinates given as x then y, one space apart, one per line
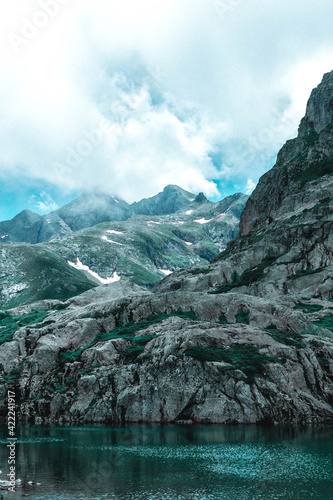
171 462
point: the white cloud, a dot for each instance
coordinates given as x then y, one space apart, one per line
45 203
175 82
250 186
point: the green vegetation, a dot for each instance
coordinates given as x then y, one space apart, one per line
132 352
324 202
60 306
326 322
198 270
248 277
223 320
309 308
287 338
306 272
128 330
242 357
315 171
312 137
243 317
9 323
43 275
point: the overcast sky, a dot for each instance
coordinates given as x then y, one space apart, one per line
129 96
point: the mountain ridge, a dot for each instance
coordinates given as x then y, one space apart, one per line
141 249
88 210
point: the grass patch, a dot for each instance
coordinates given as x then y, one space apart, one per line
243 317
129 329
309 308
287 338
198 270
242 357
9 323
326 322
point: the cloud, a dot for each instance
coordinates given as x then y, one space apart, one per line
130 96
250 186
44 203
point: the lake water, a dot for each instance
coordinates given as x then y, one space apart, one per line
142 462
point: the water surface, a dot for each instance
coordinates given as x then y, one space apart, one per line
141 462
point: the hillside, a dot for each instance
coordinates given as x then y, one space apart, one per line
142 249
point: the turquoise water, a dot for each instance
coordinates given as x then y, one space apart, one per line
172 462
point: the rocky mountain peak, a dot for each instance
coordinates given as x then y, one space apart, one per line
171 199
319 110
200 198
303 166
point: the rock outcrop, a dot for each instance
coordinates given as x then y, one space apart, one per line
146 357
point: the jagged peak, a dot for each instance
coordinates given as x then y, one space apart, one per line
200 198
319 109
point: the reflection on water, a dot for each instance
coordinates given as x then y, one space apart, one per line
170 462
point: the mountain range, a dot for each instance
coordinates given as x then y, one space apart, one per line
246 338
87 211
102 239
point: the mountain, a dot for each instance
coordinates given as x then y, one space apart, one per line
172 199
91 209
87 211
247 338
142 249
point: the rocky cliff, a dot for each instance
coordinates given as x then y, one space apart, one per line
246 339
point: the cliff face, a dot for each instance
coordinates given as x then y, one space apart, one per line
290 184
246 339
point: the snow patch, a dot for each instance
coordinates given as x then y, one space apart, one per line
153 222
4 236
188 243
203 221
166 271
111 241
82 267
189 212
112 231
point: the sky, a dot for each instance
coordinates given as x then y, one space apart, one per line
125 97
